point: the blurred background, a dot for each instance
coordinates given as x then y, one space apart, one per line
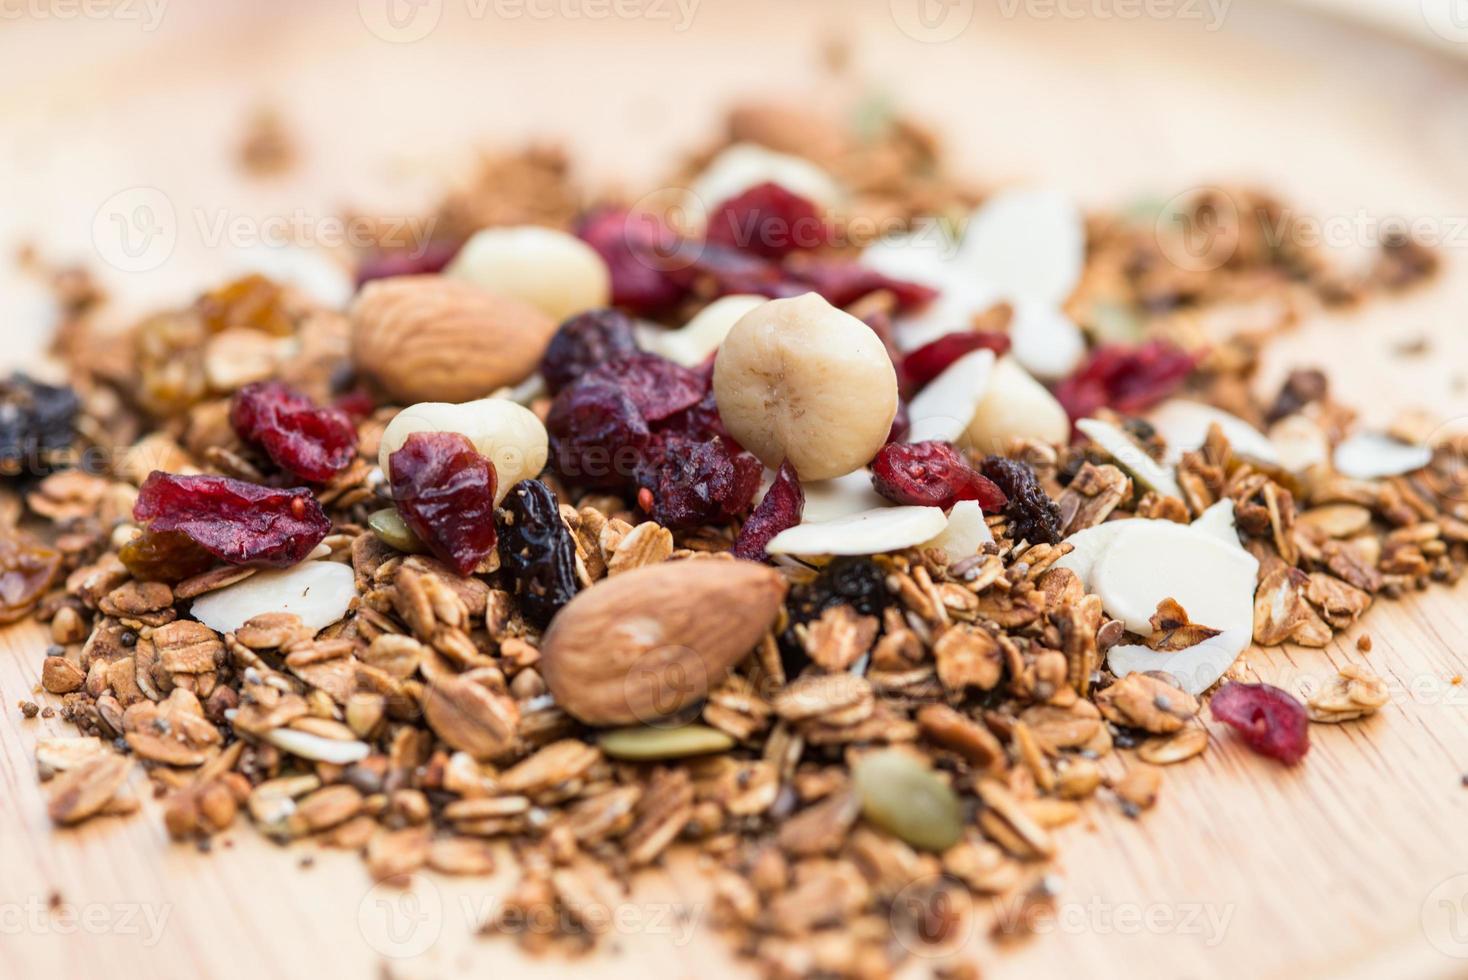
166 145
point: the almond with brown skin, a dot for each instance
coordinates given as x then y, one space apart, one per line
650 642
433 339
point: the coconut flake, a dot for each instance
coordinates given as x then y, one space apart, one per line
1371 456
1184 425
1130 457
1149 561
1047 343
966 532
871 532
944 409
1197 668
317 591
1015 406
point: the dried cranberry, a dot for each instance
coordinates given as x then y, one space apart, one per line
722 270
843 282
597 435
657 386
584 342
635 248
931 474
769 221
1271 722
901 423
695 482
1032 515
1127 379
234 521
357 403
781 509
444 491
385 264
933 358
536 551
313 443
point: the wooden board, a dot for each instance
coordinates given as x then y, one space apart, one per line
1350 865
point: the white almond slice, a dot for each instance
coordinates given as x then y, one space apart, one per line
338 752
317 591
944 409
1300 443
1150 561
959 300
1184 425
842 496
1370 456
966 532
1089 545
872 532
1015 406
1130 456
1047 343
1218 521
746 165
1029 244
1197 668
925 257
695 342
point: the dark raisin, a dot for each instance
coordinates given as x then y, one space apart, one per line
1303 387
1032 515
536 551
301 438
769 221
236 522
856 582
931 474
444 491
781 509
586 341
1271 721
37 427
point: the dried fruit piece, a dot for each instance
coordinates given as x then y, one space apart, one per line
903 797
36 427
767 220
933 358
1270 720
236 522
444 491
597 436
313 443
781 509
1127 379
252 302
693 481
536 551
657 386
932 474
635 248
164 556
27 569
585 341
386 264
1033 516
509 435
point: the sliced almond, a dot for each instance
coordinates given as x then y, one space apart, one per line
1184 425
945 407
1047 343
1030 244
1150 561
319 592
966 533
872 532
827 500
317 749
1369 456
1299 443
1130 456
1015 406
1196 669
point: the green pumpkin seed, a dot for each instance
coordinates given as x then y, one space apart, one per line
903 797
389 527
648 743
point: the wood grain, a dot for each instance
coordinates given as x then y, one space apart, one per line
1349 865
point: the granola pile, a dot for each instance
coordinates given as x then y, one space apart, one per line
860 566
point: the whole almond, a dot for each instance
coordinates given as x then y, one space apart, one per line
429 338
646 644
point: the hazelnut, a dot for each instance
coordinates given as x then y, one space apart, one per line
555 272
510 435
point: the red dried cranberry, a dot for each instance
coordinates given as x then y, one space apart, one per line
781 509
313 443
357 403
843 282
931 474
657 386
721 270
234 521
1269 720
933 358
444 491
695 482
597 435
583 342
635 248
1127 379
769 221
901 423
406 262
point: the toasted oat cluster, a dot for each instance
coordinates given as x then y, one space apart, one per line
860 566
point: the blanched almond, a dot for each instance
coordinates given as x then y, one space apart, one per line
555 272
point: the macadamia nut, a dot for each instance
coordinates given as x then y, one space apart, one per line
510 435
801 380
549 269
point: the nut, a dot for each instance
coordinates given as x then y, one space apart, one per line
652 641
1015 406
425 337
557 273
510 435
799 379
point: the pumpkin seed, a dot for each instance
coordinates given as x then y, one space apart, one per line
649 743
902 796
388 525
